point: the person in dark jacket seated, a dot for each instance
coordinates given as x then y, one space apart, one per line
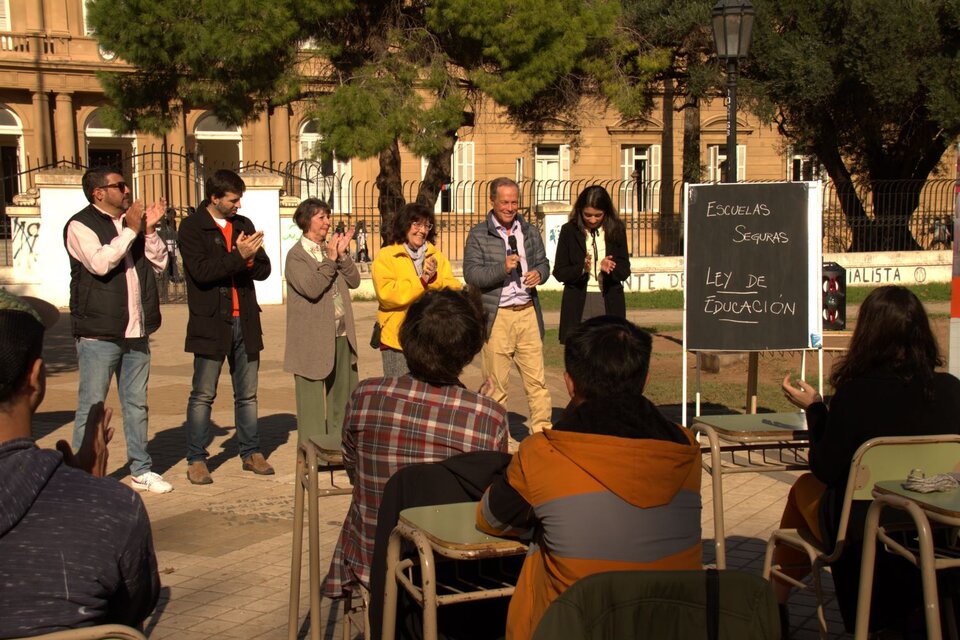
75 550
614 486
885 385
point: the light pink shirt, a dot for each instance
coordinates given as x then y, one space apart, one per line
99 259
514 292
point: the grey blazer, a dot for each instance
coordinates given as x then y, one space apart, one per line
483 256
310 314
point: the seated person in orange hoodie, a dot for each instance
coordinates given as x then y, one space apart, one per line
613 486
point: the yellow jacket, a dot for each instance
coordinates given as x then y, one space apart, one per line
397 285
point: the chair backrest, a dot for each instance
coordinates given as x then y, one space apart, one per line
100 632
661 604
892 458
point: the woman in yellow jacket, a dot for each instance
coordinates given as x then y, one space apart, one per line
404 268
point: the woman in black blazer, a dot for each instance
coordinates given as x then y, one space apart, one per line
592 261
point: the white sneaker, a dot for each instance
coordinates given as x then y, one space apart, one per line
152 482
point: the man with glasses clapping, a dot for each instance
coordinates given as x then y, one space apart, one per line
114 307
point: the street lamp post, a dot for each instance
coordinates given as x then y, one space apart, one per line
732 30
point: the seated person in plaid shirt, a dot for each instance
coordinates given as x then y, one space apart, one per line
424 416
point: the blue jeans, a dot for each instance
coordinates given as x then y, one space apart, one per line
129 361
206 373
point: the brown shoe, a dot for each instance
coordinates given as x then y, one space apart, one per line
257 463
197 473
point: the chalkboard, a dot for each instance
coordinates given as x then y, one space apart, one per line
752 266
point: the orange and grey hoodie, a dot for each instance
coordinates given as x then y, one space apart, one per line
614 486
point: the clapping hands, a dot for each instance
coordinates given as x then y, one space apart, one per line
92 454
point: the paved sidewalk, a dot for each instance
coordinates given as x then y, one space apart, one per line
224 549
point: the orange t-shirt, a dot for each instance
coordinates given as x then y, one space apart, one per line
227 231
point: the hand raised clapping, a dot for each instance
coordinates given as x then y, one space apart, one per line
429 269
248 245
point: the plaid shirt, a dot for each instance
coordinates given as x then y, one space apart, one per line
392 423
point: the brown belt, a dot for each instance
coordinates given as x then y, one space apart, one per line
519 307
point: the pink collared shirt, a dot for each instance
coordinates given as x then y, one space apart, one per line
513 292
99 259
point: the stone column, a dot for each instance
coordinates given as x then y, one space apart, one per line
42 142
261 203
261 140
61 196
280 134
65 127
177 138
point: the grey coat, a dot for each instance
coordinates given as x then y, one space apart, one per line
310 315
483 258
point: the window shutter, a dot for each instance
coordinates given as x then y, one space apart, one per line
626 175
87 28
564 162
654 155
741 162
463 176
343 193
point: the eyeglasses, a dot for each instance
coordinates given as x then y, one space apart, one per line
122 186
426 226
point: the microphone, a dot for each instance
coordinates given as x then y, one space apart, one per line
512 241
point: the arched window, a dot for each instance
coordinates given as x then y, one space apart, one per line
218 143
11 151
106 147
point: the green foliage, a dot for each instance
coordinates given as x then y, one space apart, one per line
538 58
930 292
662 299
678 30
870 85
514 50
380 71
233 56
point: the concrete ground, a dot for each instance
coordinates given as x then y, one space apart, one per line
224 550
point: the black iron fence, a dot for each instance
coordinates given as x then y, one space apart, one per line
651 210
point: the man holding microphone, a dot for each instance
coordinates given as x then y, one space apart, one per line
505 259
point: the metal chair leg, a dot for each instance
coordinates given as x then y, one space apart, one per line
293 615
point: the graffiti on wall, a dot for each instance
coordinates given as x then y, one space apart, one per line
23 238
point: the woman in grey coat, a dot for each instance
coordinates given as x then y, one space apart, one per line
321 349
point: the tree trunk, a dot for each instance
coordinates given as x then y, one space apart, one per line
437 173
847 197
390 187
668 228
894 202
692 167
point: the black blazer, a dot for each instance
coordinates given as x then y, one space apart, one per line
568 269
211 271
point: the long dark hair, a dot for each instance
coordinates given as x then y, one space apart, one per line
892 333
596 197
404 219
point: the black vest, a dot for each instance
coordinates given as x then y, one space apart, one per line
98 304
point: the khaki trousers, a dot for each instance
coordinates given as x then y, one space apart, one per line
515 339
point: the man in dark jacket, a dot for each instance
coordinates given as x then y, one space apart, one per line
115 252
75 550
222 257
